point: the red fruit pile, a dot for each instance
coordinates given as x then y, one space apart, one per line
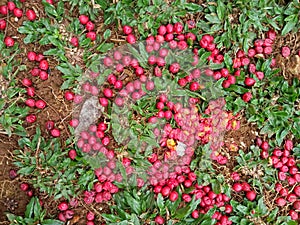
288 174
65 213
26 188
89 26
245 187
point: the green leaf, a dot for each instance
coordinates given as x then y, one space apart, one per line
212 18
107 34
288 27
52 222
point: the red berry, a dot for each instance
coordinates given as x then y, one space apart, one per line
31 56
90 26
249 81
127 30
69 95
2 24
49 125
90 216
40 104
285 51
3 9
55 132
131 39
83 19
11 6
43 75
63 206
247 96
237 187
18 12
30 118
74 41
26 82
44 64
24 186
178 27
173 196
31 15
159 220
91 35
30 102
251 195
9 42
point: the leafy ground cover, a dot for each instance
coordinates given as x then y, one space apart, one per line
149 112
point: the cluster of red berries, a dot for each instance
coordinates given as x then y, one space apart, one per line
26 188
17 12
288 174
65 212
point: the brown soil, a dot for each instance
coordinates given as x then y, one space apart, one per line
9 189
290 66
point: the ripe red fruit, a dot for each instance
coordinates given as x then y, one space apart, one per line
31 56
30 118
90 26
30 91
40 104
63 206
43 75
247 96
288 145
131 39
228 209
90 216
44 64
9 42
3 9
49 125
178 27
55 132
91 35
159 220
24 186
69 95
237 187
296 205
249 81
74 122
31 15
74 41
150 86
2 24
195 214
162 30
72 154
11 6
246 186
173 196
291 197
194 86
264 146
280 201
103 102
39 57
165 191
18 12
260 75
226 84
285 51
251 195
174 68
107 61
297 190
127 29
108 93
294 215
83 19
26 82
30 102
